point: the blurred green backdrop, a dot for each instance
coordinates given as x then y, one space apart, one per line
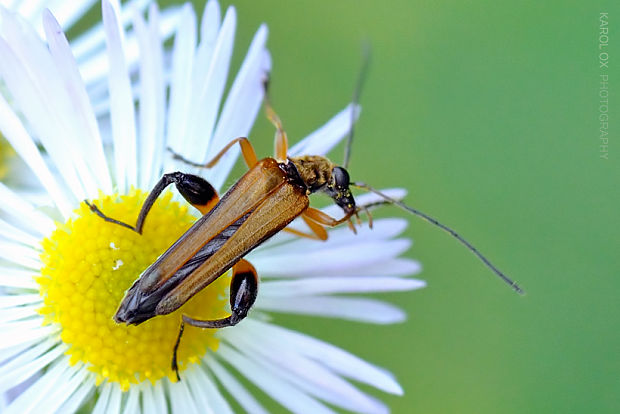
488 114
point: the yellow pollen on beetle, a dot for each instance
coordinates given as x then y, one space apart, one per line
88 265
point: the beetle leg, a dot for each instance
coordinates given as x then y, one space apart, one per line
243 290
196 190
281 141
324 219
249 155
351 226
175 351
318 231
311 236
246 149
367 211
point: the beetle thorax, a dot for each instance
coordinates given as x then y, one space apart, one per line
314 170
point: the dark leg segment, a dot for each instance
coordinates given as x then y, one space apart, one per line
196 190
175 365
243 290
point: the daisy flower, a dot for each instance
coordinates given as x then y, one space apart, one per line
64 271
89 47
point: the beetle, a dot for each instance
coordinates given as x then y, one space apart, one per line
271 194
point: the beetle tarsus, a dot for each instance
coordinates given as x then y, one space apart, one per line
179 157
175 365
98 212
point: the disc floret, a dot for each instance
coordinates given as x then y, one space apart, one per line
88 264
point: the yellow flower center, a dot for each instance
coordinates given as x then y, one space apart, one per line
6 152
88 264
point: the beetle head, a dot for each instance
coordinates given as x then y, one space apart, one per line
338 189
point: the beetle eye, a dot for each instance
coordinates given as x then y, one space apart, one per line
341 177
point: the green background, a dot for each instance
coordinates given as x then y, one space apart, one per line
488 114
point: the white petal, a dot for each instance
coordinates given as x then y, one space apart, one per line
18 277
86 381
152 97
65 386
29 9
9 353
39 391
201 384
68 13
18 312
181 82
132 405
181 400
12 233
23 256
94 70
210 28
103 399
149 404
278 389
24 213
241 107
87 132
30 76
354 309
235 388
159 396
322 285
31 61
321 141
393 267
14 131
92 41
309 376
161 83
24 332
382 229
210 22
121 101
212 65
338 360
114 405
32 10
12 4
9 301
37 352
329 262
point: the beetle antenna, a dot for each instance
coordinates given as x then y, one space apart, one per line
447 229
356 98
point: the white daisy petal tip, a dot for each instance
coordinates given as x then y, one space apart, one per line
418 284
391 385
50 22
